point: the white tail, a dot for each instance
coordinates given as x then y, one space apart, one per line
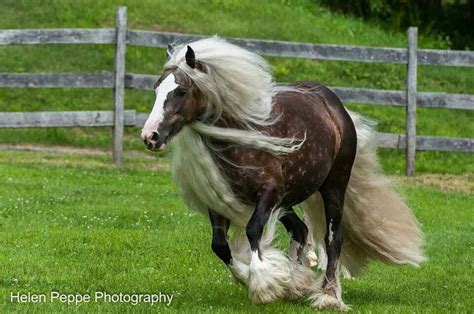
376 222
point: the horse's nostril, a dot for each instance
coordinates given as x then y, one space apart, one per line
155 136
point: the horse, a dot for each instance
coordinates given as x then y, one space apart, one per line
246 151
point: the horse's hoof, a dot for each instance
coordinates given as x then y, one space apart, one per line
262 296
311 259
302 281
325 301
269 277
346 273
240 272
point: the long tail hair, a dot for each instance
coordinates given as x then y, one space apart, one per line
377 225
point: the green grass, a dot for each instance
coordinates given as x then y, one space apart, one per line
77 224
295 20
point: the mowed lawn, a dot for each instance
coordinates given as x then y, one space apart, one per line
77 224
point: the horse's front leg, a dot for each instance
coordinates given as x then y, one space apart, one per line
269 199
220 246
270 270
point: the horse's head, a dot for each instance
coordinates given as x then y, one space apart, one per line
178 102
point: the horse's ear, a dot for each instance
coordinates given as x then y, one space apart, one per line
169 52
190 58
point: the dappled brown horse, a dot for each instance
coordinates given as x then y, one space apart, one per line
246 151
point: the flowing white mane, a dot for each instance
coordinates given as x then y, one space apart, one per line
238 84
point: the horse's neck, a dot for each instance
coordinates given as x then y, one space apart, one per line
228 123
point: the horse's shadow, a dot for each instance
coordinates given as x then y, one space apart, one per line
373 297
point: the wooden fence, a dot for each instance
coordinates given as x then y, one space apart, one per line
119 80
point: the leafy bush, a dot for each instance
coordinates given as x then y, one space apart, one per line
450 20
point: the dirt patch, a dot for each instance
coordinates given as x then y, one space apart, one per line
442 182
68 150
61 155
157 27
139 160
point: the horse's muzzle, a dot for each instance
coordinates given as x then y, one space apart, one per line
153 141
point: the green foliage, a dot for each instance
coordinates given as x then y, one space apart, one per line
449 20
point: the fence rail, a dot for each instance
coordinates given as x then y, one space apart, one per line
145 82
274 48
57 36
63 119
118 80
133 119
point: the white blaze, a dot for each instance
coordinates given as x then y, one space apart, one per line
156 115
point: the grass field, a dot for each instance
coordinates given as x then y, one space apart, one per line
295 20
76 224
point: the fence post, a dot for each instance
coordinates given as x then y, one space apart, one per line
410 155
119 84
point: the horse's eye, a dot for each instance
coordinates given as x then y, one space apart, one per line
181 92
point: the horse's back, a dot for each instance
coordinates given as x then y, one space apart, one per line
315 102
342 119
330 135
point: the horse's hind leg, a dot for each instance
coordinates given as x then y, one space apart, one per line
302 277
299 251
332 192
297 231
